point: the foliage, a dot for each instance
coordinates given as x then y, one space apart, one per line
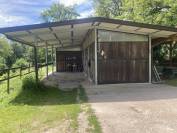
46 107
58 12
172 82
18 50
162 12
5 48
108 8
147 11
21 63
2 66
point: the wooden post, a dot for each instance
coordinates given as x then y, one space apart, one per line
52 61
96 59
55 60
8 81
36 65
150 59
46 59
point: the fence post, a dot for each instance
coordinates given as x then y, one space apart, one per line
8 81
20 72
46 58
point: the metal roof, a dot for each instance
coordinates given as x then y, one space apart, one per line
72 32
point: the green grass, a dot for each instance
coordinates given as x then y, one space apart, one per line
172 82
32 108
35 110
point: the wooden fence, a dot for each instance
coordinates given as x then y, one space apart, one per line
28 69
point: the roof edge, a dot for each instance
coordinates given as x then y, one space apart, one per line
86 20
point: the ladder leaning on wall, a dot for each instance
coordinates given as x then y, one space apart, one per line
156 77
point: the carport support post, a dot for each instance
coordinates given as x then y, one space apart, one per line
36 65
46 59
150 59
52 61
96 59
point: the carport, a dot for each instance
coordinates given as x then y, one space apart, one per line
87 36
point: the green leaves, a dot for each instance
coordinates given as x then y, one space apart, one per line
5 48
58 12
162 12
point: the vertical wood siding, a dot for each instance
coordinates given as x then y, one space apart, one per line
120 62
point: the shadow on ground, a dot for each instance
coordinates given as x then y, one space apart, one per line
45 96
130 92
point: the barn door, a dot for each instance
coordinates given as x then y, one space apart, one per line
122 62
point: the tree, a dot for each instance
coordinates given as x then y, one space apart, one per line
5 48
162 12
58 12
19 50
108 8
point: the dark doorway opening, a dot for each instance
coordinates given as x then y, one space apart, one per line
69 61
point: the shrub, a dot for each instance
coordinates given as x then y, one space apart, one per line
167 73
29 83
2 66
20 63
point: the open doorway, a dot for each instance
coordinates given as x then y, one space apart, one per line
69 61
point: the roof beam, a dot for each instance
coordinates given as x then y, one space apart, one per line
36 36
56 36
59 45
18 40
96 23
85 36
70 46
138 29
155 32
118 26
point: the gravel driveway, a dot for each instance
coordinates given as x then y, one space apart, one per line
135 108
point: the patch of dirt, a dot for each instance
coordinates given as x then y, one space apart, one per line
83 123
63 127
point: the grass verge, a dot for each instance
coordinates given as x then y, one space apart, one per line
172 82
36 108
92 119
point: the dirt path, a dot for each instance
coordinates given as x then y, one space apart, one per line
83 124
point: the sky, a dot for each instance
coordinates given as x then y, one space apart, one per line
24 12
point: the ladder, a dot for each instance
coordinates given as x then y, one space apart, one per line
156 78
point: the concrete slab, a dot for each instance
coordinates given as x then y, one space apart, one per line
137 108
65 81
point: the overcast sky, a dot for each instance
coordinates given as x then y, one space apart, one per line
23 12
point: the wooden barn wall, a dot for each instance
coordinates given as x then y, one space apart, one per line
123 61
88 55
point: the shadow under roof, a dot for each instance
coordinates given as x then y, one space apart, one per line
72 32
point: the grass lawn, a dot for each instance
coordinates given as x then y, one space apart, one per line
172 82
36 110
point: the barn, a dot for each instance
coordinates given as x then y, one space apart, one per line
106 50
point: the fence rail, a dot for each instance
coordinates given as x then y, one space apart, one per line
7 71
